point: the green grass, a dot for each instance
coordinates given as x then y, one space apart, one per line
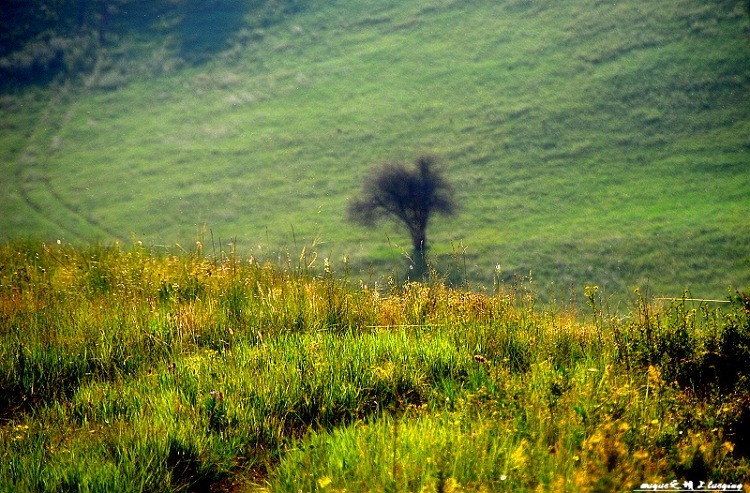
125 369
590 143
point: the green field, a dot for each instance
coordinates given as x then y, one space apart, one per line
128 370
591 143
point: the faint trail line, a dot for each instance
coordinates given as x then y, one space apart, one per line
34 158
29 159
693 299
87 85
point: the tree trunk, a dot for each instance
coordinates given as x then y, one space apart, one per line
419 254
419 242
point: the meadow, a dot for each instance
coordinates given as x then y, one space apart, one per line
128 368
591 143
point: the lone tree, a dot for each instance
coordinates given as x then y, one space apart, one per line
409 195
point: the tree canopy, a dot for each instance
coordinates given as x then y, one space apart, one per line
408 194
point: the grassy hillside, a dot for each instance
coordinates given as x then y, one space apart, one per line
124 370
590 142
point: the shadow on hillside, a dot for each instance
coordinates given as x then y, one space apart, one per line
39 43
205 27
200 28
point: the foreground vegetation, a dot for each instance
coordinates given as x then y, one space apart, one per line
126 370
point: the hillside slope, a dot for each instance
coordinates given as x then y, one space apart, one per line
590 142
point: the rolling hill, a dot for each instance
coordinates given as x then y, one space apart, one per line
590 142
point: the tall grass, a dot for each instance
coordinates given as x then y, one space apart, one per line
128 369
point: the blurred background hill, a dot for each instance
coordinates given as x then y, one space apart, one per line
590 142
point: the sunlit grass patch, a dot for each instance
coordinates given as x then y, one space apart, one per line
410 453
